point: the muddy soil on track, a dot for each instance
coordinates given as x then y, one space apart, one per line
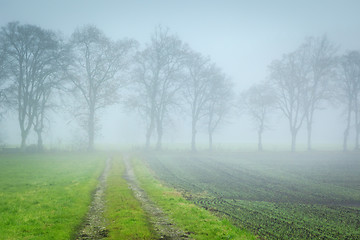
163 226
94 226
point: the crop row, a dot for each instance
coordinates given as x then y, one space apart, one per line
270 199
237 181
297 221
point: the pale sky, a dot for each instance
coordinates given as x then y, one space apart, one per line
241 37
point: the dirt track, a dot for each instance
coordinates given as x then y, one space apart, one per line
158 219
94 226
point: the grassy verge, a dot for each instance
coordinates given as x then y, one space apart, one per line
200 223
45 196
127 219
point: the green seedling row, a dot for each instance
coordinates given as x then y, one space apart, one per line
275 195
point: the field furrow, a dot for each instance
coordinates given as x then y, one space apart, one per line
276 195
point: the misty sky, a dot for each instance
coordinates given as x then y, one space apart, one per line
241 37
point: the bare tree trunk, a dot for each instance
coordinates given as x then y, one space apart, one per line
210 141
40 146
24 135
23 141
309 132
91 130
357 137
91 137
347 129
260 147
159 142
357 125
39 124
193 136
293 140
23 129
309 121
346 134
148 136
149 132
260 132
159 136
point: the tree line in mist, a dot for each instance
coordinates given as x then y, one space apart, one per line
38 67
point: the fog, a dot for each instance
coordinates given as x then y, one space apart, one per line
241 37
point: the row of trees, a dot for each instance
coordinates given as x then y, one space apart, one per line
32 59
169 76
301 83
37 65
164 77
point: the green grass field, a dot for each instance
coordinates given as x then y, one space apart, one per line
276 195
46 196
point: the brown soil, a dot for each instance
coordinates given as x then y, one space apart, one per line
94 226
162 224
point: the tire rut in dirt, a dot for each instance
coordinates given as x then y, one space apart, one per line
94 226
161 223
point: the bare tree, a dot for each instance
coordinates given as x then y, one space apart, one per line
3 85
96 72
289 77
197 89
357 114
32 56
40 116
259 101
3 78
156 81
54 86
322 63
54 82
220 102
348 91
3 82
46 103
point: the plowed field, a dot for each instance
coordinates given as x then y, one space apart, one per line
276 195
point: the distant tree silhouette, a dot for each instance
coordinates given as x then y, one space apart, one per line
96 73
348 90
199 74
259 101
322 65
32 55
157 79
220 103
288 76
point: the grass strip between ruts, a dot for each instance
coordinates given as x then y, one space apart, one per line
192 219
126 218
